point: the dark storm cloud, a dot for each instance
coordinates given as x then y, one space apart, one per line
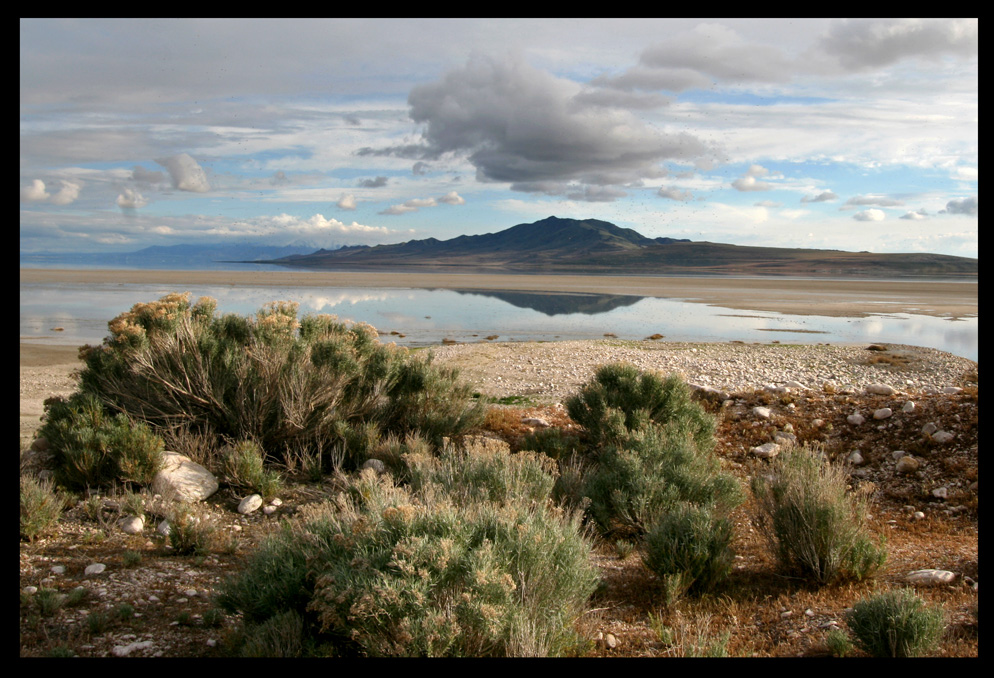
526 127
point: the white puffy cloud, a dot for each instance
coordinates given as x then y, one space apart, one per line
750 183
346 202
914 216
879 201
869 215
35 192
131 199
67 194
452 198
861 44
185 173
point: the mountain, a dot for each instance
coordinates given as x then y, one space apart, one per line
591 246
184 256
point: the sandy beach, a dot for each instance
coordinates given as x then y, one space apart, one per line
826 297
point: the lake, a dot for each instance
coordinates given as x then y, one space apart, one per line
419 317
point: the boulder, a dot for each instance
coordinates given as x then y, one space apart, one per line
182 479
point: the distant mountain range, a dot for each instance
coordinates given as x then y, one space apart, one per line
183 256
591 246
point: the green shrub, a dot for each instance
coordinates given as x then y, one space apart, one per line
192 531
244 467
289 385
649 473
689 548
620 400
896 624
91 448
41 507
472 560
814 527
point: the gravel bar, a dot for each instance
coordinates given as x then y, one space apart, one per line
550 371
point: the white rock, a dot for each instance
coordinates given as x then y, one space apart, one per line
931 577
929 428
856 459
918 515
535 421
30 590
276 502
880 389
58 569
95 568
163 528
269 510
761 412
952 390
940 492
883 413
132 524
249 504
766 451
183 479
125 650
855 419
908 407
942 436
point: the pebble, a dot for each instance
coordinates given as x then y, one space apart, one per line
883 413
855 419
253 502
942 436
930 577
95 568
761 412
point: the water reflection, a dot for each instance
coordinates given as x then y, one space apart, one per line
424 317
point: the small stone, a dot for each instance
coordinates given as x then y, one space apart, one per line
132 524
856 459
95 568
58 569
908 407
766 451
761 412
855 419
250 504
535 421
929 428
30 590
880 389
610 641
942 436
883 413
809 612
952 390
907 464
918 515
276 502
190 593
269 510
163 528
941 493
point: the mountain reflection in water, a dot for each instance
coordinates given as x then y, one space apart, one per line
554 303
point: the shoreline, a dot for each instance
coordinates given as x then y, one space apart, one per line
797 296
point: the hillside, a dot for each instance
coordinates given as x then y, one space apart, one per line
591 246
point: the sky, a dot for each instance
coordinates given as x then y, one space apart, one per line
858 135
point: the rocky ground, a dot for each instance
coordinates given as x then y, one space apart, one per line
148 602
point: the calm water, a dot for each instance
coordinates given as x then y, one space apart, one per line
426 317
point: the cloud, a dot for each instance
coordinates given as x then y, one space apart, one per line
346 202
35 192
185 173
67 194
317 225
862 44
523 126
452 198
869 215
144 176
914 216
879 201
825 196
749 183
419 168
378 182
674 193
963 206
131 199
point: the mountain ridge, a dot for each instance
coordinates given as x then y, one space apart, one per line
592 246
